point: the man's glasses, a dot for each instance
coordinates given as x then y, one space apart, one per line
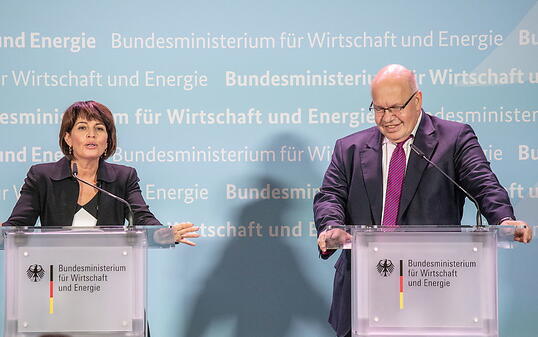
392 109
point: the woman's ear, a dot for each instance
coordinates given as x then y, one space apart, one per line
67 138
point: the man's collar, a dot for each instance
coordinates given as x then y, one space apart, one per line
414 132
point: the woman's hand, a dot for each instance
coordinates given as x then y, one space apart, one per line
185 231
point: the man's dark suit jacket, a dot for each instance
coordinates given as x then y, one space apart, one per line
51 193
352 190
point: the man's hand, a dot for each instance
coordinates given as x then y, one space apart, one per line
335 237
522 231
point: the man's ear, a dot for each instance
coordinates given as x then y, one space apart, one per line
418 100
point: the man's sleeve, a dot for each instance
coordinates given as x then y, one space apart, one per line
475 175
330 202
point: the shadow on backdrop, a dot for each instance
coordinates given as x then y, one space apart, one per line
258 282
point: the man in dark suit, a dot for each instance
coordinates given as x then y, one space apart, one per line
359 187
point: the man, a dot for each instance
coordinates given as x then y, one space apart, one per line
375 178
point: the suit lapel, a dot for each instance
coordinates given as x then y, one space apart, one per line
106 175
370 157
102 208
65 191
426 140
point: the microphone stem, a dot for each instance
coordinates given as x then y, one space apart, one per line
475 202
130 215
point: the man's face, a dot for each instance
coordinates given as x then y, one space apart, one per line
387 93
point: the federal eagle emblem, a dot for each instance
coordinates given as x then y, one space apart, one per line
385 267
35 272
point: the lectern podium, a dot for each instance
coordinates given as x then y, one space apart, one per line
78 281
425 280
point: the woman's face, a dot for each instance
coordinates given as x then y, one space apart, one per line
88 139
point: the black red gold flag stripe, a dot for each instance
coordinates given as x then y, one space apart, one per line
401 286
51 291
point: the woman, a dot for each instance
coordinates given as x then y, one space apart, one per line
87 138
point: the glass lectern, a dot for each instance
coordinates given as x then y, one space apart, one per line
78 281
424 280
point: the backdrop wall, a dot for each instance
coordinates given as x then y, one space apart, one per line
229 110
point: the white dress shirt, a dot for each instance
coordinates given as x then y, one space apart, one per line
388 148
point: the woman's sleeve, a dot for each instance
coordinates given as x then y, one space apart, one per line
28 207
142 215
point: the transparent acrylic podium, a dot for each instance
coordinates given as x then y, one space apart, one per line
424 280
78 282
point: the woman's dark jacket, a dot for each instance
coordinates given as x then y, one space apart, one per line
51 193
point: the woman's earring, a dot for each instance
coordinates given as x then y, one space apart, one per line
70 150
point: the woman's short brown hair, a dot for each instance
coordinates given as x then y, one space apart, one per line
89 110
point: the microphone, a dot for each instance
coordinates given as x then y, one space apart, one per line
130 215
423 156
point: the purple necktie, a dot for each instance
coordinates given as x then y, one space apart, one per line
394 186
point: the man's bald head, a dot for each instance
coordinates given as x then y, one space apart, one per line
393 87
396 72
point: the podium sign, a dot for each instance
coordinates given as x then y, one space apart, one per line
75 282
422 283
